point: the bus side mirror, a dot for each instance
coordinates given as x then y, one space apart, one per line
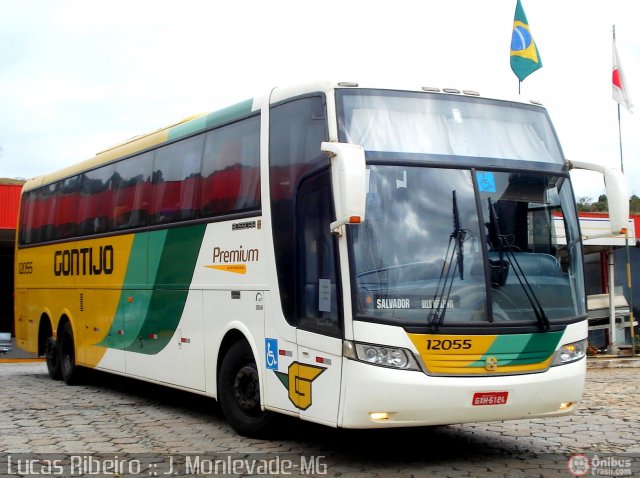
348 178
617 195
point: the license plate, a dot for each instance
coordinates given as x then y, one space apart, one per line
489 398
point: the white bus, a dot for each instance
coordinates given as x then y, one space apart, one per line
353 256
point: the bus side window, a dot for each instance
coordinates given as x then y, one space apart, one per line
230 169
27 211
131 192
176 180
316 262
46 212
38 216
296 131
66 208
95 200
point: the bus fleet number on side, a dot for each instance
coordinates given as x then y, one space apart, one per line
25 267
446 344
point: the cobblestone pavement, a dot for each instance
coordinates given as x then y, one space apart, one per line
42 419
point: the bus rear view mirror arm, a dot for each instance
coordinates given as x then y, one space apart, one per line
617 196
348 179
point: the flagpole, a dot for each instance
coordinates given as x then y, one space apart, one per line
620 140
626 236
631 315
619 121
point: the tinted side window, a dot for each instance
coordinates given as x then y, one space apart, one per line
96 197
132 181
67 208
45 213
317 279
176 180
27 211
231 169
297 128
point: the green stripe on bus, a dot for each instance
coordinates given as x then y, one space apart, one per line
169 294
211 120
134 299
539 348
148 317
155 246
521 349
185 129
149 251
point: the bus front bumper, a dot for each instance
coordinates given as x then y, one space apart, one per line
378 397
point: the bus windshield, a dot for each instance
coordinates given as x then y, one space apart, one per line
436 126
463 244
446 247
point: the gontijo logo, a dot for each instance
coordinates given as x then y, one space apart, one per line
298 380
82 262
233 260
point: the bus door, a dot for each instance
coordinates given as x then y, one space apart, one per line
317 375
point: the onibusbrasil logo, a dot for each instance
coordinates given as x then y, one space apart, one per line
579 464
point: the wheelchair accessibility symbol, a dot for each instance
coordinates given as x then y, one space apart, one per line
486 182
271 353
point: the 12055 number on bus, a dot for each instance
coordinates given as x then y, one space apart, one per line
447 344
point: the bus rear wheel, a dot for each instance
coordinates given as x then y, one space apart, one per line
53 358
239 393
67 356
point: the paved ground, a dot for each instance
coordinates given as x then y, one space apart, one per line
148 429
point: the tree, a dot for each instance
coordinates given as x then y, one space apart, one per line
602 205
585 204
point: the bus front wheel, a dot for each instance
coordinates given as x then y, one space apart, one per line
68 369
239 393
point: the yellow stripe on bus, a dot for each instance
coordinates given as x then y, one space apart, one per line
236 268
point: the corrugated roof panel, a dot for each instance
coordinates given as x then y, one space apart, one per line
9 202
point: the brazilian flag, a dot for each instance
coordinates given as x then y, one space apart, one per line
525 58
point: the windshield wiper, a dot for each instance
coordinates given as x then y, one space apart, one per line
447 273
538 310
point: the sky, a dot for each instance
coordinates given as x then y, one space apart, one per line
78 76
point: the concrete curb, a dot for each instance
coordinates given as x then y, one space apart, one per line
613 362
15 355
21 360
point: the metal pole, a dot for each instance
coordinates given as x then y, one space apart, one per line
626 236
631 319
620 141
619 122
613 345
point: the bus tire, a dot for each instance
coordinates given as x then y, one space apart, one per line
239 392
67 356
53 358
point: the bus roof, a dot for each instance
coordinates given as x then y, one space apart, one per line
185 127
204 121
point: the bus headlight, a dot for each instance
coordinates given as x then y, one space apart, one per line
570 353
394 357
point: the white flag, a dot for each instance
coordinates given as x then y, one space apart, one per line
620 86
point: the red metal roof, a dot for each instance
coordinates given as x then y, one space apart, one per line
635 217
9 202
